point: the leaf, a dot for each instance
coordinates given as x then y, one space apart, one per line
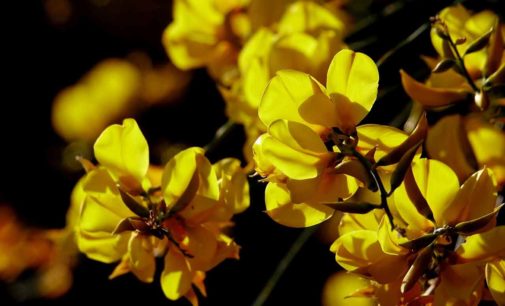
444 65
356 169
403 166
188 194
474 225
414 138
132 203
420 242
479 43
417 269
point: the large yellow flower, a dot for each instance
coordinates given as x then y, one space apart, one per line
445 245
128 215
299 154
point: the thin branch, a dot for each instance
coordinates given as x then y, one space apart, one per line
283 265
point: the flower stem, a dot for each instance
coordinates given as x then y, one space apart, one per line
283 265
378 181
220 135
461 65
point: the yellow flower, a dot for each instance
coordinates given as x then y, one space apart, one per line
133 216
112 89
465 143
462 23
447 87
466 213
298 154
206 33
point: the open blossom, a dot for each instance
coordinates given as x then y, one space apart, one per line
445 236
300 156
131 213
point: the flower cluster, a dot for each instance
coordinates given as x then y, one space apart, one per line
133 212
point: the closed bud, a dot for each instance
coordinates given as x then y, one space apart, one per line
460 41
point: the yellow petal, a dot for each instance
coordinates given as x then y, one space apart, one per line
257 48
355 76
192 37
282 210
383 137
428 174
293 51
495 277
179 172
142 262
327 188
341 285
482 247
431 96
357 249
476 198
305 16
447 143
176 277
104 203
264 13
354 222
488 144
459 285
233 184
202 244
103 247
286 93
295 150
123 150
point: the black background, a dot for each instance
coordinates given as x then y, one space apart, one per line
43 58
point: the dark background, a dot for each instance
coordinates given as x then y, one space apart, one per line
43 58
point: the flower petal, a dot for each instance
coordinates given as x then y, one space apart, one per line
355 76
103 247
459 285
285 94
476 198
488 144
281 208
179 172
295 150
123 150
142 262
428 174
482 247
495 277
176 277
431 96
447 143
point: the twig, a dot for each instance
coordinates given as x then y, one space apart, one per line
283 265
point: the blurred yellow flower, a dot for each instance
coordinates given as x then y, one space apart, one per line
305 39
111 90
